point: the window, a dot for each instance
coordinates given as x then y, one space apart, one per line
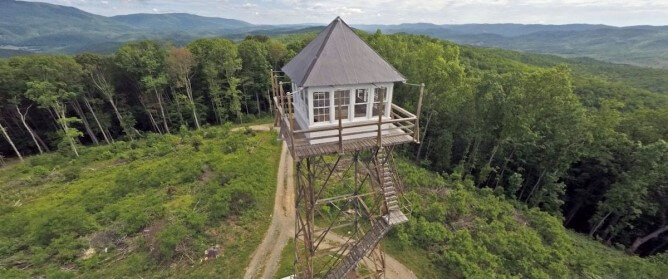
320 107
376 100
341 97
361 102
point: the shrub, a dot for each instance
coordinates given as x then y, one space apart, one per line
71 173
53 223
40 171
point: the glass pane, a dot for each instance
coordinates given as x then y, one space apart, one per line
360 110
344 113
361 96
341 96
377 92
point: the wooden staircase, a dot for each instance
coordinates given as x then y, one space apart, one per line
392 217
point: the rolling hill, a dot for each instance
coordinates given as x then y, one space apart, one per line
41 27
48 28
645 46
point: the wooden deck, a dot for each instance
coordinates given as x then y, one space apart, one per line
350 145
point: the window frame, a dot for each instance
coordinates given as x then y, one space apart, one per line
327 106
365 103
376 100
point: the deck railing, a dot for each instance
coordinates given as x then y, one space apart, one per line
399 123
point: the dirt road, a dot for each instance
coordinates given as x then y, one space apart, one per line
267 256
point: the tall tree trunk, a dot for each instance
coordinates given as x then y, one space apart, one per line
59 109
150 116
428 149
571 213
178 105
97 121
22 116
505 164
257 100
599 224
39 139
189 92
4 133
271 107
426 127
489 163
641 240
535 186
162 109
84 120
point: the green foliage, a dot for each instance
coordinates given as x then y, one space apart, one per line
471 233
167 204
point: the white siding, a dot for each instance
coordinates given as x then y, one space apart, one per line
306 119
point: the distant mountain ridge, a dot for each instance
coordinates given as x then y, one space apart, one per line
642 45
180 21
41 27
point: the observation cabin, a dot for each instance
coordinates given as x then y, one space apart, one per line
339 97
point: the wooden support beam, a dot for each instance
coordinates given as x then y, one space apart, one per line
340 127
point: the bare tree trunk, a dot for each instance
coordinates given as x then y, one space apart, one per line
59 109
271 108
162 109
535 186
97 121
257 100
189 92
426 127
489 163
571 213
150 116
599 224
22 116
178 104
106 130
84 120
641 240
39 139
4 133
428 149
505 164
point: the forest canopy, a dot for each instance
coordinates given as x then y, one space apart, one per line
586 149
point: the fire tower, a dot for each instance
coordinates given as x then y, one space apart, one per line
341 127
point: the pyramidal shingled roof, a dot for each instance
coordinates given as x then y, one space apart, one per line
337 56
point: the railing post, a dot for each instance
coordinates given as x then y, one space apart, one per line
381 112
292 125
281 94
340 126
416 135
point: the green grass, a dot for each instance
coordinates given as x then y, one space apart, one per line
155 205
286 264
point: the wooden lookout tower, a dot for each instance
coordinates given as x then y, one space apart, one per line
340 125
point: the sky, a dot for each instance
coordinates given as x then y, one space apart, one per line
610 12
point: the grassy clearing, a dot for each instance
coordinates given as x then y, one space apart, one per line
148 208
